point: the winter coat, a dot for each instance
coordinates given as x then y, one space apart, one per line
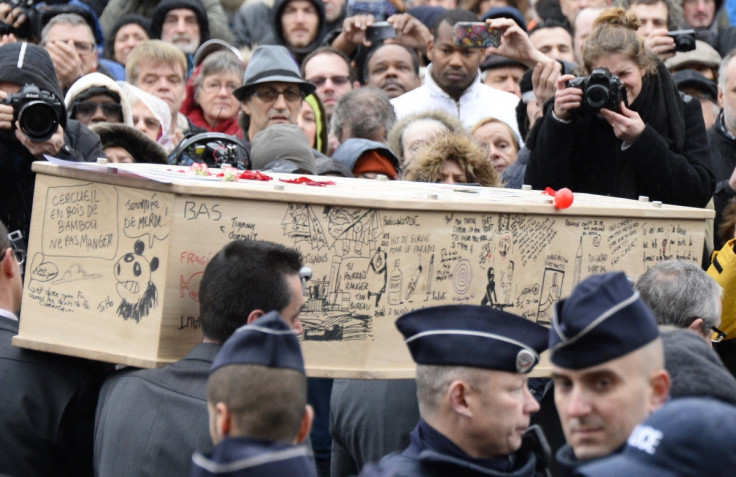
668 162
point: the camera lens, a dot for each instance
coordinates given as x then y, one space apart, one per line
596 96
38 121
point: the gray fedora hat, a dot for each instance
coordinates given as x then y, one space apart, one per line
271 63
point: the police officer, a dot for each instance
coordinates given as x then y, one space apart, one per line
607 367
257 400
475 407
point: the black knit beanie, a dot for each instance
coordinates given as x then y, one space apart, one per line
144 23
26 63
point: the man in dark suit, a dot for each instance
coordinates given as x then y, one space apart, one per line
47 413
149 422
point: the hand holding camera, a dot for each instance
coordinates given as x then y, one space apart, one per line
567 99
13 16
410 32
6 112
36 116
601 94
627 124
514 43
600 90
660 43
51 146
684 39
354 29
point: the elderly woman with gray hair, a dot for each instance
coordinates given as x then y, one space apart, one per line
210 102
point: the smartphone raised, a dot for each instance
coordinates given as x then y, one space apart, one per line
476 35
380 31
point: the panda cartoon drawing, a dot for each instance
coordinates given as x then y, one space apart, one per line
134 285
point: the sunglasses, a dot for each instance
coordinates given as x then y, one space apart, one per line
336 80
110 110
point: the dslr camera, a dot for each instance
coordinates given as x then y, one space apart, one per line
600 90
684 39
37 112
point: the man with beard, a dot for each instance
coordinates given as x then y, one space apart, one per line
299 25
183 23
701 15
392 67
252 21
216 17
452 82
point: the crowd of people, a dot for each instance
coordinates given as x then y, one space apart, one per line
597 96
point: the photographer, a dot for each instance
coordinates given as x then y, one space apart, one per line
654 145
27 64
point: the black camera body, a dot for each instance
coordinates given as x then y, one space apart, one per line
684 39
37 112
39 12
29 29
600 90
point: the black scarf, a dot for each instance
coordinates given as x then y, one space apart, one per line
660 105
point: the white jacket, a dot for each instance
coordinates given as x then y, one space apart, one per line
478 102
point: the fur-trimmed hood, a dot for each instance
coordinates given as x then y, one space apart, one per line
140 146
460 147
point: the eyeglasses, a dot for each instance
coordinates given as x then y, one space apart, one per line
336 80
718 335
84 47
214 87
110 110
20 256
151 123
269 95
